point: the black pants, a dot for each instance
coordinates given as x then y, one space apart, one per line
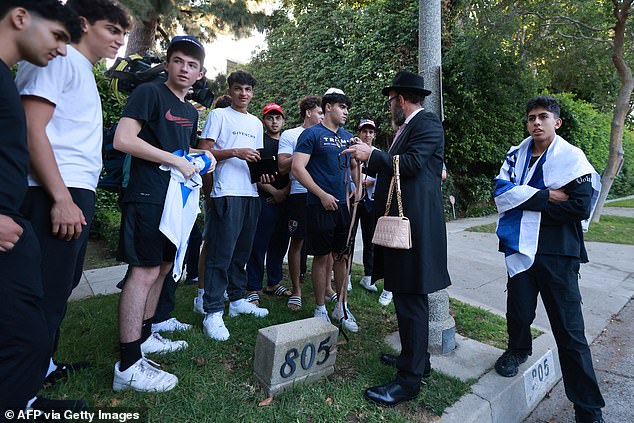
365 214
556 279
167 300
193 251
62 261
412 313
24 338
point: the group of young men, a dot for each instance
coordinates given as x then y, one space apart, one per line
50 160
51 126
252 222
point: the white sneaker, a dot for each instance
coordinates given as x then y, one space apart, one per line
350 323
170 325
159 345
198 306
242 306
214 327
349 284
366 282
322 314
142 377
386 297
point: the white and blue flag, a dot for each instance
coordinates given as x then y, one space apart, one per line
182 206
518 230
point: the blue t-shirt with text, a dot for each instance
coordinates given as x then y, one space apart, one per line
327 166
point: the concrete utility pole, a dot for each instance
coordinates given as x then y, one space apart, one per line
442 327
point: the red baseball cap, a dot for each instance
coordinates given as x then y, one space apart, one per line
272 107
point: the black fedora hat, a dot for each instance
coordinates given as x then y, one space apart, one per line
407 81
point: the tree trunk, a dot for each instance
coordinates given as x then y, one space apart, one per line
142 37
622 106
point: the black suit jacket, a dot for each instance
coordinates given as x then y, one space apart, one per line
422 269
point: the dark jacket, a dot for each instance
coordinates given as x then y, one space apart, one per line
560 230
423 268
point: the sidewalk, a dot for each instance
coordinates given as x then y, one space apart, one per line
479 277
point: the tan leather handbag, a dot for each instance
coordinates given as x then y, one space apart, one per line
393 231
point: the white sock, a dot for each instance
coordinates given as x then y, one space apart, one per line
51 367
201 292
321 307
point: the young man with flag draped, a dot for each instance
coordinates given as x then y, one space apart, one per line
545 193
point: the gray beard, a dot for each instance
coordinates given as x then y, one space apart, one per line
398 117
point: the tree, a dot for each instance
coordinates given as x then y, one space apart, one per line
315 45
203 19
623 103
496 54
601 32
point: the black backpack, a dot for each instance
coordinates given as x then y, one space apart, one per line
116 164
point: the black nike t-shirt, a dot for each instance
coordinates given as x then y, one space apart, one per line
169 124
14 156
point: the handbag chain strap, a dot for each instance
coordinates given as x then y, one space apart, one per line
395 184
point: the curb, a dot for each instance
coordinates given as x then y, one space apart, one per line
496 399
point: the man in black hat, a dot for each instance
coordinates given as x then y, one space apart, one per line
410 274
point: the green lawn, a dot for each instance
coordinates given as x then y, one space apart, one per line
621 203
613 229
481 325
216 381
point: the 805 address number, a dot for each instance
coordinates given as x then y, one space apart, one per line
306 358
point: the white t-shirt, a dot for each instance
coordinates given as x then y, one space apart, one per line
76 128
288 142
232 129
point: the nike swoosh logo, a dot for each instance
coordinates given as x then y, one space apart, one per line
179 120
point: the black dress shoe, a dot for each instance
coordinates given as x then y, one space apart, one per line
391 394
391 360
64 370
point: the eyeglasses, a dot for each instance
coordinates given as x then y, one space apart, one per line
388 103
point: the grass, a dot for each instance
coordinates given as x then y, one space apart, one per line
621 203
489 228
612 229
98 255
216 381
481 325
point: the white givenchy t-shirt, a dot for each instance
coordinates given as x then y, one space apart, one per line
232 129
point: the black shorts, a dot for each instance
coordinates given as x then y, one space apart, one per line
296 212
141 243
327 231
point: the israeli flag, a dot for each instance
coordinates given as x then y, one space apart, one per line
182 206
518 230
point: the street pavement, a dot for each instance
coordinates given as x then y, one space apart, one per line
613 354
479 277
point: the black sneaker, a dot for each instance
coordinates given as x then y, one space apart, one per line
579 419
508 364
64 370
